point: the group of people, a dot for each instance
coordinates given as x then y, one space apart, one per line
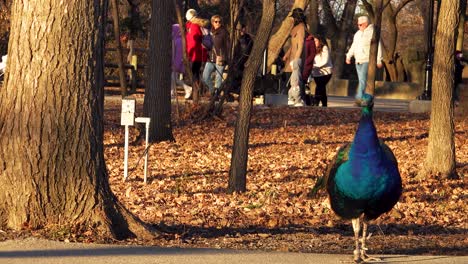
314 52
307 58
207 45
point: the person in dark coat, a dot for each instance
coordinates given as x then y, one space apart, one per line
218 56
241 55
310 52
459 61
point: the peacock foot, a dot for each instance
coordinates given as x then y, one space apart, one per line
366 258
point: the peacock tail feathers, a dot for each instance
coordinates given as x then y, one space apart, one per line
340 157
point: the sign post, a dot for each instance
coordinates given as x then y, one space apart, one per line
128 119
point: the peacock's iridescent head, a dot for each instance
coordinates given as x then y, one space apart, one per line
367 100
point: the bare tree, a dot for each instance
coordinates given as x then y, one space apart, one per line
338 44
440 158
118 44
157 104
378 9
238 170
389 42
52 169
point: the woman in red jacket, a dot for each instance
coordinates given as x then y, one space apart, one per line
196 53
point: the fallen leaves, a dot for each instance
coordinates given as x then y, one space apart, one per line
289 149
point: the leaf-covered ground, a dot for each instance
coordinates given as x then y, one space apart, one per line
288 149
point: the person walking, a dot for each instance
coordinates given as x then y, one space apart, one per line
218 55
241 55
196 53
308 63
360 50
321 72
178 63
294 55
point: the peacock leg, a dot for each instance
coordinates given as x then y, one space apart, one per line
356 228
364 255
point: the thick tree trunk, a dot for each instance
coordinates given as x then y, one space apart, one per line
52 169
440 157
279 38
238 170
157 104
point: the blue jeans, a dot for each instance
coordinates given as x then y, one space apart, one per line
361 70
210 67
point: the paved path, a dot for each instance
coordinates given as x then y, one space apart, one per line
388 105
38 251
343 102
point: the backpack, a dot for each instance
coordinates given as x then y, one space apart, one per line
207 39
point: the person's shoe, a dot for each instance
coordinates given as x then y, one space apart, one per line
188 91
299 103
357 102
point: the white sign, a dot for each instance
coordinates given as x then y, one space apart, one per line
128 112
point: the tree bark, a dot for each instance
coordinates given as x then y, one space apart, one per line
313 18
279 38
370 85
238 170
339 44
157 104
461 26
118 44
52 170
440 158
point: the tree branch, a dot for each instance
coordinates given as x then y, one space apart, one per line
369 9
401 5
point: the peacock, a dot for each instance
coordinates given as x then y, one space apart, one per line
363 180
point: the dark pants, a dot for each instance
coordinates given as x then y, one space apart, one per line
321 89
196 66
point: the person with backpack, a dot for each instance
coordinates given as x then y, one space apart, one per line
196 53
217 56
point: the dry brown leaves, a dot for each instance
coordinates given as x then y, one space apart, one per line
288 149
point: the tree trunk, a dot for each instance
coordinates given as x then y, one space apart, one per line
52 170
238 170
157 104
440 157
370 85
118 45
339 44
313 18
389 43
461 26
279 38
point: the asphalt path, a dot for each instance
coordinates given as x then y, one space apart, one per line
341 102
38 251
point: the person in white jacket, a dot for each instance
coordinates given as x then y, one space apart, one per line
360 50
321 71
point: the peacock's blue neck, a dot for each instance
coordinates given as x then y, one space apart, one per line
365 140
